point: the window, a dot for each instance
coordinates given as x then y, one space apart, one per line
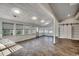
50 31
46 31
7 29
27 30
19 29
33 30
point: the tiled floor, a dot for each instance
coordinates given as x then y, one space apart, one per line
43 46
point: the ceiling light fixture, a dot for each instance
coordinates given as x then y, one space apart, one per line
34 18
16 11
42 21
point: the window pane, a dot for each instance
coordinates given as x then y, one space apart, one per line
7 29
19 29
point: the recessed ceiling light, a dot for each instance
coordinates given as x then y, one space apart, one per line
34 18
42 21
17 11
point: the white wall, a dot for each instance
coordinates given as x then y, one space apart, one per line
70 31
65 31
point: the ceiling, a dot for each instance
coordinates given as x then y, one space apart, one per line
64 10
61 11
27 11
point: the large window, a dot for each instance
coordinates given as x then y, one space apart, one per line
27 30
7 29
33 30
19 29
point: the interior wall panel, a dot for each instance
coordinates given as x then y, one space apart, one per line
65 31
69 31
75 31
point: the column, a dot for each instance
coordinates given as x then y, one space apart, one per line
23 30
54 32
37 32
14 29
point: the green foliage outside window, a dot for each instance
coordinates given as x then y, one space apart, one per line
18 32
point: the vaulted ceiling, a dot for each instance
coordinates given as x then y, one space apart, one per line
64 10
